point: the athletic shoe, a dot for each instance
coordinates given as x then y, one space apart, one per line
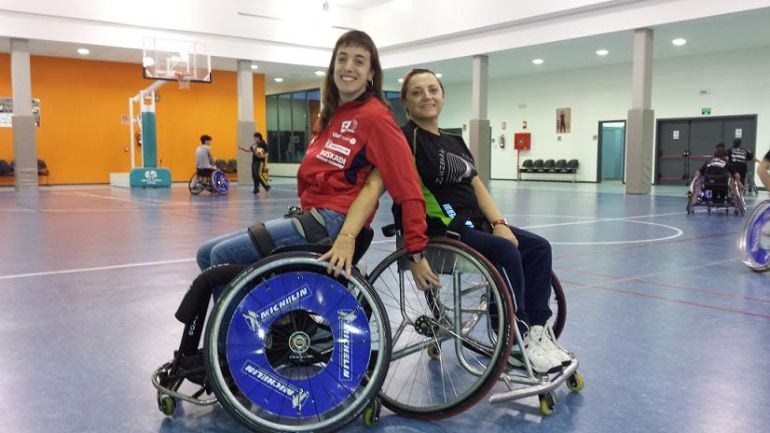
546 339
540 360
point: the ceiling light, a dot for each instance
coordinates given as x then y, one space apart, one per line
602 52
320 73
537 61
254 67
401 80
439 75
679 42
278 79
83 51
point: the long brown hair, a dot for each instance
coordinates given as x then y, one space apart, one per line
330 95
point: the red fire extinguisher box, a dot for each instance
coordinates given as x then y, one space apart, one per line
521 140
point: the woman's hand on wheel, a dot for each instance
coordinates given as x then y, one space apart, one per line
340 256
504 231
423 275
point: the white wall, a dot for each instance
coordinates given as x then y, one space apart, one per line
739 83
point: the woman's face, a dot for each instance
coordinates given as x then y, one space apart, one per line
424 97
352 72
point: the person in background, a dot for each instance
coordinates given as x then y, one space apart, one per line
259 169
338 184
459 202
740 159
204 158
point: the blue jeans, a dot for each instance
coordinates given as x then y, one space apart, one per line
238 248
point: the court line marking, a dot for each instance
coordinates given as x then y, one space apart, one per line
94 269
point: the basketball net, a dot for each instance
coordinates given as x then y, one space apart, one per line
183 78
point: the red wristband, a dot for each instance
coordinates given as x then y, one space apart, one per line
500 221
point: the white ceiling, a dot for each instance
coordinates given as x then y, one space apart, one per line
710 35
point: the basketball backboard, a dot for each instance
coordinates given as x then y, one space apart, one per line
175 60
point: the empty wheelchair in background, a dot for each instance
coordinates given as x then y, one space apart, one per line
754 241
452 345
715 192
212 180
287 347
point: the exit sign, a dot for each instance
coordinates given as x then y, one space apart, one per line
705 111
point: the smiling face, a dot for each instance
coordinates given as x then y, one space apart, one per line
424 97
352 72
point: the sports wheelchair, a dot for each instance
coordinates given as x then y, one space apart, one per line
452 345
715 192
754 242
287 347
216 182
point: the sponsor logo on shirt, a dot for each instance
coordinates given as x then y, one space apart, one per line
348 126
337 147
350 140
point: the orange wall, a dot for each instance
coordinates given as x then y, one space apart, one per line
82 137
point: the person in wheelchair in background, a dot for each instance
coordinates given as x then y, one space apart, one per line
204 159
459 202
740 158
715 174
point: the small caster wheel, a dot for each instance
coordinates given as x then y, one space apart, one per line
372 412
434 351
166 404
547 404
576 382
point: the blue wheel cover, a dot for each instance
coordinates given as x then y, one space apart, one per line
272 299
759 252
221 184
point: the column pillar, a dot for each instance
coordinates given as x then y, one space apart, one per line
24 145
641 118
246 126
480 131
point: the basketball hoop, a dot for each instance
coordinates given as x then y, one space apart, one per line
183 78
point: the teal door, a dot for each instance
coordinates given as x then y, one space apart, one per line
613 145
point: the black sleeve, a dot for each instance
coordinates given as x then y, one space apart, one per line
767 155
749 156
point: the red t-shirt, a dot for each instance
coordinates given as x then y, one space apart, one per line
360 136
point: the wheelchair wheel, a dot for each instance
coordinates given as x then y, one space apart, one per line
195 185
558 306
220 183
754 242
736 196
696 186
450 345
291 349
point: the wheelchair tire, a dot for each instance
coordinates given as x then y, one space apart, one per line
736 196
289 348
558 305
696 186
195 186
220 183
446 351
754 241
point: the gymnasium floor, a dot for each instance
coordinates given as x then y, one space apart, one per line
670 328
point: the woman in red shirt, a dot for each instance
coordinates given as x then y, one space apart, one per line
356 134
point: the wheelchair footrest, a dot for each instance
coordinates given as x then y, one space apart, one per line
167 380
535 386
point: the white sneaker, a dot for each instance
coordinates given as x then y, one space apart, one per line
547 340
539 358
559 352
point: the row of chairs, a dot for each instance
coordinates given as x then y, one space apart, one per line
7 169
549 166
229 166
